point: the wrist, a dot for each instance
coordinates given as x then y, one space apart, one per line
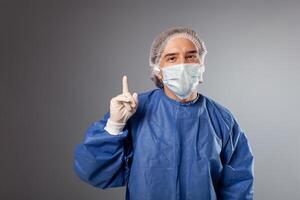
114 128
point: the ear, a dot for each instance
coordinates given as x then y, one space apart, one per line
158 72
159 76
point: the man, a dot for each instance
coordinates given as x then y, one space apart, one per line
171 142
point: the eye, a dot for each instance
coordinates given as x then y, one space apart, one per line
171 59
192 56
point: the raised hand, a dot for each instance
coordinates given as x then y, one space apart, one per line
123 106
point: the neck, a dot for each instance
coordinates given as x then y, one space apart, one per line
170 94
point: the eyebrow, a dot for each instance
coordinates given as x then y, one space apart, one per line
188 52
170 54
192 51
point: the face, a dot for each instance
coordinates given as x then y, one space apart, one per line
178 51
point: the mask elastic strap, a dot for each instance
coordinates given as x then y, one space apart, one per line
202 68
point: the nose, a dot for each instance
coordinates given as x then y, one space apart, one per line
182 59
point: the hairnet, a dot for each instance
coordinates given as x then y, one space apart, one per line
162 39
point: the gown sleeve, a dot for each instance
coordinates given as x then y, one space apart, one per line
102 159
238 166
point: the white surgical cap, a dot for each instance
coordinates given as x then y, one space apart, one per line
162 39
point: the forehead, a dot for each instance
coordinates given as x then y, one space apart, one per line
179 45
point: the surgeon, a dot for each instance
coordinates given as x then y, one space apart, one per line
170 143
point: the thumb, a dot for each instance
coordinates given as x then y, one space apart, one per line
135 97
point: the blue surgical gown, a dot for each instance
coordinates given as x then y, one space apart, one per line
170 150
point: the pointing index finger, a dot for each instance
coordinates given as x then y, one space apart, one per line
125 84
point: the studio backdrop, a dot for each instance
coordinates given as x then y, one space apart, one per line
62 61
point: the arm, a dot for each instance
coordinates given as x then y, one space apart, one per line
102 160
238 166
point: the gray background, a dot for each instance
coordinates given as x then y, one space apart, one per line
62 61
